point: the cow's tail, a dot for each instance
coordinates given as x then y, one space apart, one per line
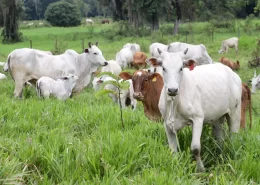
249 105
38 89
9 68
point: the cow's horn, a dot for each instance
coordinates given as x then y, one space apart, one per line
159 51
96 43
255 74
89 44
185 52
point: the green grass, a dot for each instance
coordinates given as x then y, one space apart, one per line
81 141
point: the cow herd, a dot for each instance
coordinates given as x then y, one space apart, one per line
182 86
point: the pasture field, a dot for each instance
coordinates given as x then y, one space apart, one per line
81 140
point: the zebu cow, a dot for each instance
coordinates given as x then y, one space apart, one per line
125 56
229 43
29 65
136 46
229 63
147 89
198 53
89 21
153 49
188 99
246 103
60 88
255 82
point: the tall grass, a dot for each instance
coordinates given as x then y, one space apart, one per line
81 141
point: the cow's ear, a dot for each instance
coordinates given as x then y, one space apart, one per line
237 62
155 62
154 77
190 64
86 50
125 75
97 43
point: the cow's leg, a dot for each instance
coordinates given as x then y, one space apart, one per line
171 136
195 143
18 91
217 131
234 119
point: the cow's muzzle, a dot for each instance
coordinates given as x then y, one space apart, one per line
105 64
172 91
138 96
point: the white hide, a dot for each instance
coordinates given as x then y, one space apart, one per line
136 46
196 52
153 49
204 95
112 66
60 88
28 64
2 63
229 43
2 76
125 56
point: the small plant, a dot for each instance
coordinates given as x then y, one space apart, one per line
119 84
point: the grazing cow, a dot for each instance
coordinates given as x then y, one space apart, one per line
229 43
125 56
197 53
105 21
246 103
153 49
2 63
60 88
137 46
147 89
255 82
139 60
2 76
229 63
5 68
89 21
188 99
29 65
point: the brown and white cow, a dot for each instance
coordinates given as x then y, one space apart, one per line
229 63
147 89
139 60
246 103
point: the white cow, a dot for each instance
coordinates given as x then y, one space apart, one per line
29 65
196 52
229 43
2 63
125 56
2 76
136 46
125 93
60 88
112 67
255 83
153 49
89 21
207 94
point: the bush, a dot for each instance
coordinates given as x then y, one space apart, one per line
62 14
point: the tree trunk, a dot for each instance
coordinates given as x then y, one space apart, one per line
155 21
177 6
10 15
176 27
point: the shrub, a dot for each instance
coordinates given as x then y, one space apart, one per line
62 14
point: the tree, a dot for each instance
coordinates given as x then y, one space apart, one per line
10 13
63 14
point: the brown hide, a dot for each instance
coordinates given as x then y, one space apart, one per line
229 63
246 103
139 60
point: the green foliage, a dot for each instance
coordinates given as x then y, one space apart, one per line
62 14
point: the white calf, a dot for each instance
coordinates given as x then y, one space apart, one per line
255 83
2 76
61 88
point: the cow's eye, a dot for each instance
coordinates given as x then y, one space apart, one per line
180 69
95 53
145 80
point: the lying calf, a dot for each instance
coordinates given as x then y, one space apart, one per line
61 88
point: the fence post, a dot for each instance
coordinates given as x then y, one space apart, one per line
55 46
212 36
238 33
187 36
31 44
83 47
